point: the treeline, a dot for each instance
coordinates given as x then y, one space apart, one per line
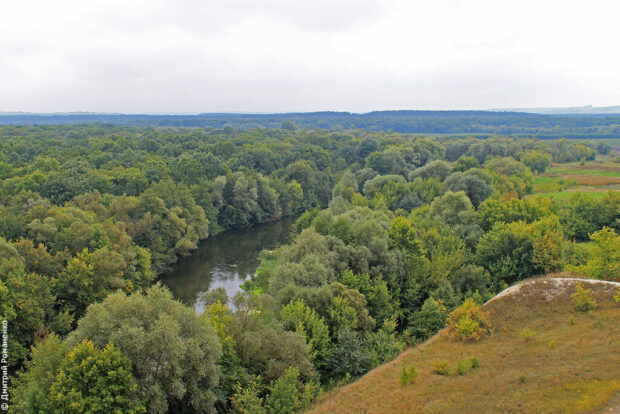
395 232
416 122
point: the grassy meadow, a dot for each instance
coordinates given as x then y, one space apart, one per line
595 178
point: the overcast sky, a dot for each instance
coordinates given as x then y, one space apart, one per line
176 56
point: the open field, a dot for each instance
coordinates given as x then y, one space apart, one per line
595 177
592 192
561 367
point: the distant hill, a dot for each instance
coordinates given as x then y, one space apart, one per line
562 366
576 110
460 123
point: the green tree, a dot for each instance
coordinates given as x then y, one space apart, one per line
31 391
298 317
536 160
438 169
506 254
528 209
428 320
173 351
289 394
604 262
95 381
28 306
465 163
456 211
476 183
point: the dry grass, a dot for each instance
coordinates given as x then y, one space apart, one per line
585 179
580 372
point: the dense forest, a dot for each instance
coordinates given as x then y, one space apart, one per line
483 123
394 232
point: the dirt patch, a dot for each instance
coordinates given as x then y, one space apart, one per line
554 287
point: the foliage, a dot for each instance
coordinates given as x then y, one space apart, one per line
537 161
526 334
468 322
604 262
289 395
508 211
516 251
430 319
584 215
298 317
408 375
391 238
476 183
441 367
95 381
247 400
461 367
31 391
582 299
172 350
456 211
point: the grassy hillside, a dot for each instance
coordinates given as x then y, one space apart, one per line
542 357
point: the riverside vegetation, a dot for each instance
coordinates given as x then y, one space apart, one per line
396 235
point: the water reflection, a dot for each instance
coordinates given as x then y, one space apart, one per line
225 260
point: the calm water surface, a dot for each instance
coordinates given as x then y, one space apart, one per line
225 260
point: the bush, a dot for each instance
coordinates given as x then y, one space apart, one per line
526 334
468 322
474 362
428 320
289 394
582 299
441 367
461 367
408 375
617 297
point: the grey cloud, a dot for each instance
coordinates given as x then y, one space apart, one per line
209 17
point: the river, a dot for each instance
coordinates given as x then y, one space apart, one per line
225 260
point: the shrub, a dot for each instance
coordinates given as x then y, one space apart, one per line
526 334
552 344
474 362
582 299
428 320
441 367
408 375
468 322
617 297
289 394
571 320
461 367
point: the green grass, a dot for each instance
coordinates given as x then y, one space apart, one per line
559 170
